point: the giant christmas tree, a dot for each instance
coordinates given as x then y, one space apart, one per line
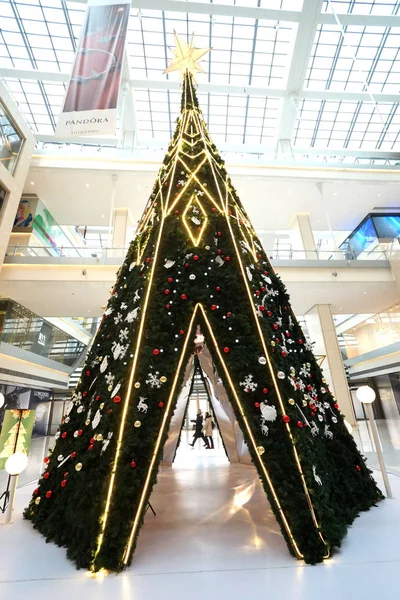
196 261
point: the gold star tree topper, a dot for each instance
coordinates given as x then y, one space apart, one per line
187 58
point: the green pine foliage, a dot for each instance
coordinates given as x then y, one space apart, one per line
143 335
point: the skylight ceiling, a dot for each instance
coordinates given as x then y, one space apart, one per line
346 100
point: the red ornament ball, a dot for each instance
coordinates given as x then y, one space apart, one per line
46 475
265 390
183 296
228 314
226 350
80 432
275 326
227 258
36 491
97 398
219 251
167 306
284 353
219 233
66 474
213 307
109 411
133 464
49 494
358 467
186 265
117 399
63 483
257 404
213 209
64 434
84 394
286 418
300 341
218 288
148 259
156 352
170 279
257 292
88 373
161 404
73 454
269 313
336 406
92 440
262 308
46 460
177 212
300 424
195 257
166 292
181 331
90 447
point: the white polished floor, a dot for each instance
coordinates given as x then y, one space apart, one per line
214 536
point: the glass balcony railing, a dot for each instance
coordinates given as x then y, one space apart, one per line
116 255
22 328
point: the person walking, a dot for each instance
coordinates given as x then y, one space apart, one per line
198 432
208 430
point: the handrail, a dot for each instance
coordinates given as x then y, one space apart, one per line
103 254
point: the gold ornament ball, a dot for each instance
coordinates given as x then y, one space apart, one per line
324 380
304 403
37 500
99 437
260 450
109 388
87 422
137 384
163 379
137 423
78 466
291 401
100 358
272 343
101 406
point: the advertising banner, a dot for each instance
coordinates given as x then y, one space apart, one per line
16 433
90 106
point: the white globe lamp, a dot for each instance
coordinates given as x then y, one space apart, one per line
16 463
366 394
2 400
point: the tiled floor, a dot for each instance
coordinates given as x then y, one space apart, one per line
213 537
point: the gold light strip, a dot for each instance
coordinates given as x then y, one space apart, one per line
159 439
253 441
196 241
282 406
104 517
136 521
183 190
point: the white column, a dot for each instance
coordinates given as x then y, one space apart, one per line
122 221
302 236
322 331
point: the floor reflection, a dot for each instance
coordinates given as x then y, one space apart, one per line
389 435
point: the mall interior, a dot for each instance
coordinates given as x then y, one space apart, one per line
301 99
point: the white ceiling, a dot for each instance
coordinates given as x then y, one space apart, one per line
83 196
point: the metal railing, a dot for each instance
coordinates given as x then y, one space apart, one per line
65 255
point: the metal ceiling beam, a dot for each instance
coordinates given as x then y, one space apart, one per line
361 20
229 148
269 14
236 90
301 52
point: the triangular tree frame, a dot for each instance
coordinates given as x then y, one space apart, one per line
196 261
